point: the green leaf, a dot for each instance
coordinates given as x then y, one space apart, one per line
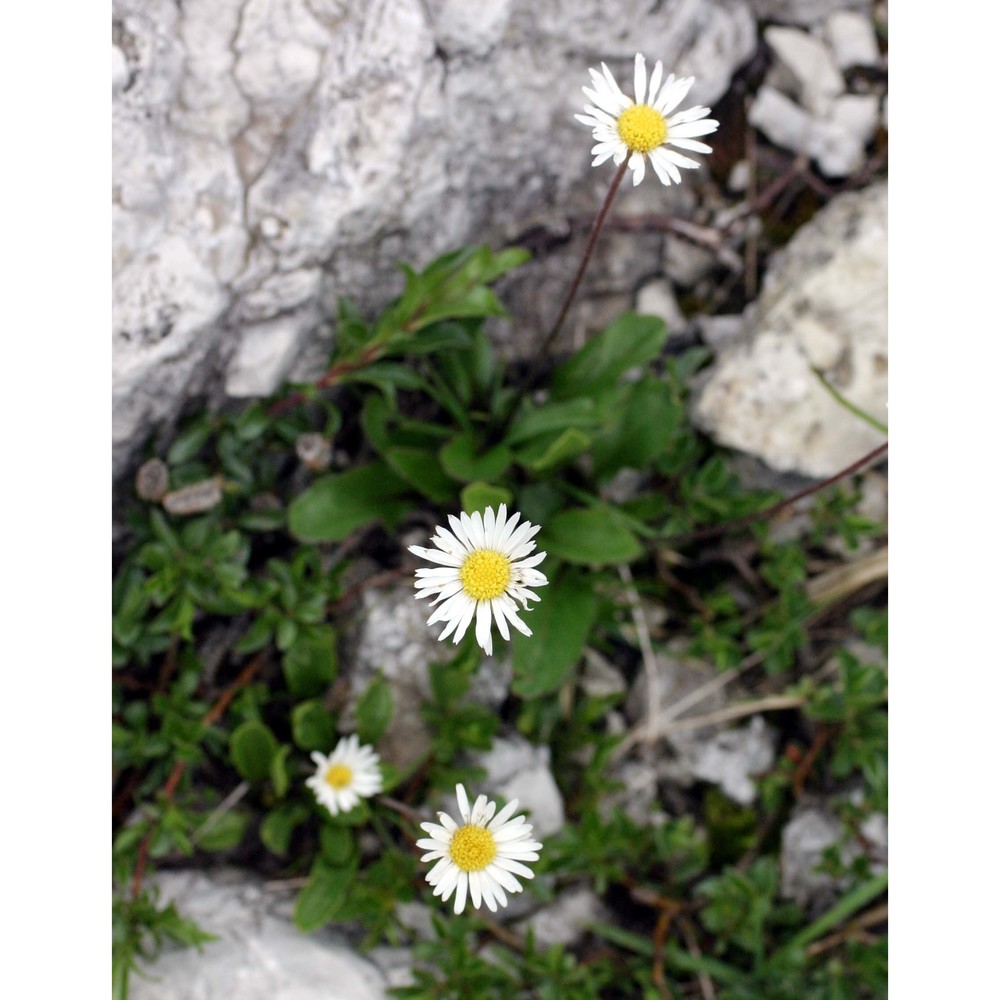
592 536
323 895
462 459
629 342
251 747
279 770
420 467
560 623
479 496
374 711
578 414
439 337
190 441
312 726
279 825
311 663
646 416
337 843
330 509
222 832
544 454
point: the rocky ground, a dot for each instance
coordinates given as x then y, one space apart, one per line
241 216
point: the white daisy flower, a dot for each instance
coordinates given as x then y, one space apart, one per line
645 127
482 570
346 776
481 857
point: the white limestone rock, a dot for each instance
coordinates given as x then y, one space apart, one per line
805 839
273 155
823 305
461 27
657 298
390 635
731 760
517 769
813 76
803 107
852 37
568 918
259 955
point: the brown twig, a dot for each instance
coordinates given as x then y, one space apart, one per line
376 580
549 339
414 815
740 522
170 787
876 915
336 371
823 736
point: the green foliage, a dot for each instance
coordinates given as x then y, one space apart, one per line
227 637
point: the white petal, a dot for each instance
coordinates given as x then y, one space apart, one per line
484 620
671 96
637 165
475 890
513 866
435 556
503 815
463 885
640 78
680 159
489 526
478 810
665 170
654 82
463 803
448 882
692 144
501 622
504 878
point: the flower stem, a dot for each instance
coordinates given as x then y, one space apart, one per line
587 254
550 337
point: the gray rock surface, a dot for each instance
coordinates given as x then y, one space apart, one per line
731 760
259 954
567 919
805 839
390 635
273 155
823 305
804 11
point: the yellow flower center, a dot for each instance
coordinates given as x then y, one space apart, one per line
472 848
642 128
485 574
339 776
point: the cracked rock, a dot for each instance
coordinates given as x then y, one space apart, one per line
271 156
824 305
259 954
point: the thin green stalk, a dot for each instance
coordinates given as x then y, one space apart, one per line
855 900
847 404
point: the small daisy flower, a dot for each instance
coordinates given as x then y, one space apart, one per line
481 857
346 776
645 127
482 570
